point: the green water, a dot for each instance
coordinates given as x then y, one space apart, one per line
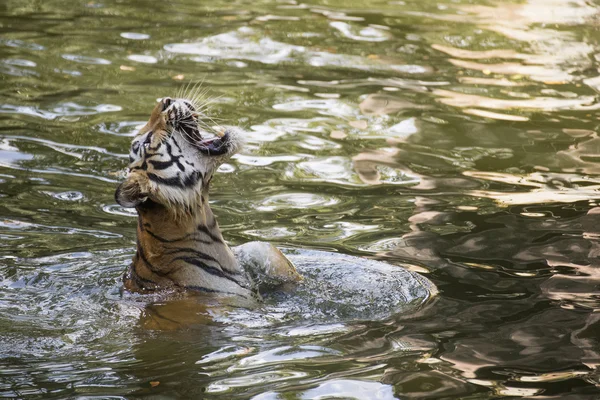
456 138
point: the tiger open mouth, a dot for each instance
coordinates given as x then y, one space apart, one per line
183 117
216 146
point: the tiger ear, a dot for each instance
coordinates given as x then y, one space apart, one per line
166 102
130 193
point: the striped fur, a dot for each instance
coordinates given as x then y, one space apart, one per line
179 243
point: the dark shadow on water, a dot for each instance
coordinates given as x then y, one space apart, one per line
519 294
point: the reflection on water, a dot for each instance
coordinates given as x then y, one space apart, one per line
457 139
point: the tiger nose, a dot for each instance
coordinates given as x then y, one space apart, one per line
167 101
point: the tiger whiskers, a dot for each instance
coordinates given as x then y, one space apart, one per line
201 101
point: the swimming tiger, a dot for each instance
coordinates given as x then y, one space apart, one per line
179 244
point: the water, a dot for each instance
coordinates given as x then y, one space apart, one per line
456 138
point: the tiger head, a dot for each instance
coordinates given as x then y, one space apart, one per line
172 160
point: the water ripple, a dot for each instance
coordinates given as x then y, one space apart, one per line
537 103
368 34
142 58
265 160
11 67
326 107
250 380
350 388
324 169
304 354
295 200
72 150
116 209
67 109
18 225
85 59
241 44
22 44
134 35
121 128
67 196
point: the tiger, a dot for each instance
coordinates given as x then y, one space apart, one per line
179 244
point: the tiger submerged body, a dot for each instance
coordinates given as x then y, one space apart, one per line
180 245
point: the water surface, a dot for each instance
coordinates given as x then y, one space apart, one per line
455 138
